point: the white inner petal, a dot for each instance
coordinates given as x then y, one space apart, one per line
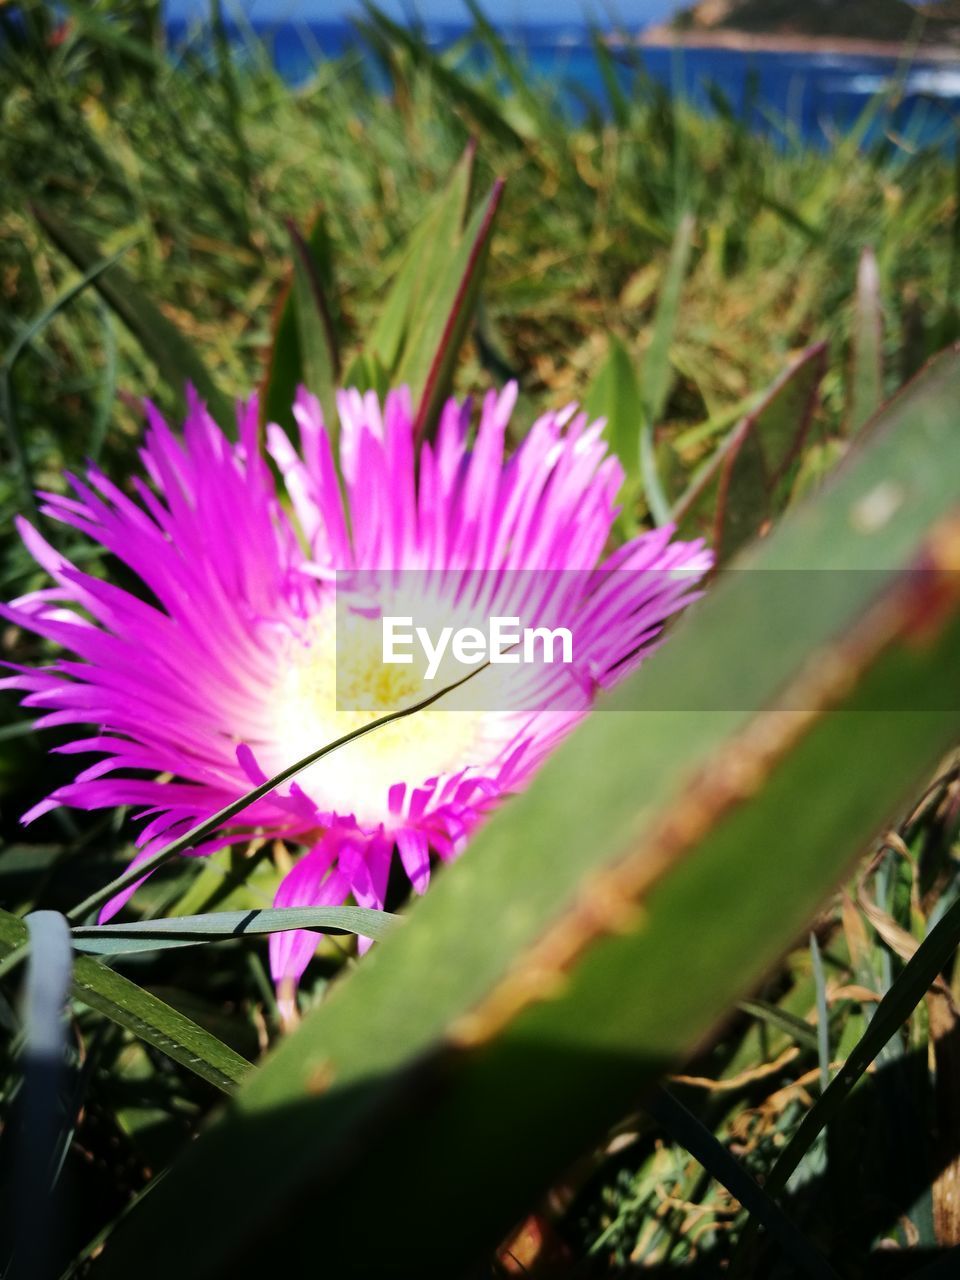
356 779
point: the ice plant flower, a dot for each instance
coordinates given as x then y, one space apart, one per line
218 671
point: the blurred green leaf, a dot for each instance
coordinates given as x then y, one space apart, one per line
740 489
618 100
818 462
366 373
101 30
657 372
614 394
445 325
411 300
792 218
634 406
231 879
40 322
543 123
424 255
305 348
483 112
171 352
603 922
20 343
866 393
317 340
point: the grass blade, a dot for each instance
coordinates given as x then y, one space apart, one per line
920 972
788 1023
466 269
454 87
304 347
867 380
535 105
607 66
615 395
694 1137
40 322
657 374
654 492
317 340
149 1018
823 1013
415 286
191 931
8 410
156 1023
166 346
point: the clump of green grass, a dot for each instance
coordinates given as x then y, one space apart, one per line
192 167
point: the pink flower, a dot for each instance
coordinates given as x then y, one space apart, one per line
219 670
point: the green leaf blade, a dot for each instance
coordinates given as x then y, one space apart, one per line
615 395
657 371
149 1018
187 931
740 489
305 348
416 281
447 326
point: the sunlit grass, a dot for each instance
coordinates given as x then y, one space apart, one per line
191 167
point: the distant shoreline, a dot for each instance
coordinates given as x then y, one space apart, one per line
763 42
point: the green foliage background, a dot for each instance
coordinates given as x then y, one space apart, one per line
721 297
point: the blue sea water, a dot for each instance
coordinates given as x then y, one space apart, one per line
811 97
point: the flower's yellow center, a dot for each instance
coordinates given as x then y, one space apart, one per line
334 685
